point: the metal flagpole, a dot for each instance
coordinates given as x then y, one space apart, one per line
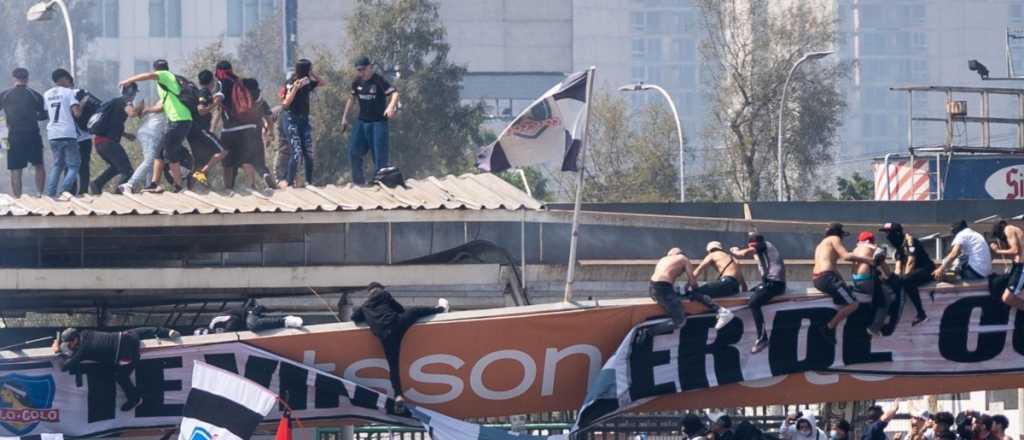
570 276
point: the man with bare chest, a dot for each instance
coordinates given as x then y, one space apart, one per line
662 290
1013 238
828 280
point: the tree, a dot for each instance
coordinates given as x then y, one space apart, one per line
536 179
749 49
631 156
42 46
433 133
855 188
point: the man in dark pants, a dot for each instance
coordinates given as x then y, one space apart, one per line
117 350
389 321
378 101
113 115
249 316
24 109
913 266
773 281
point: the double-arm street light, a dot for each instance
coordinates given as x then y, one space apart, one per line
43 11
679 128
782 109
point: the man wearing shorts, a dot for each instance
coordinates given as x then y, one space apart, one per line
171 148
827 279
1013 238
24 109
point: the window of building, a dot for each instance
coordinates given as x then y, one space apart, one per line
917 14
98 75
684 49
165 18
919 70
244 15
104 17
639 48
639 73
919 41
1016 13
654 49
1001 400
639 25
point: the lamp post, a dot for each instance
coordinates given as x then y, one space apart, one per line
43 11
782 109
679 128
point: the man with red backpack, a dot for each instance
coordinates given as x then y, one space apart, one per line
243 122
178 97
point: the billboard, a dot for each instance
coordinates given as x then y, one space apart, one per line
965 177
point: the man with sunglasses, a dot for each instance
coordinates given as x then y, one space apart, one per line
378 101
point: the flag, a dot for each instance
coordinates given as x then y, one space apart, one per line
223 405
442 427
284 427
549 130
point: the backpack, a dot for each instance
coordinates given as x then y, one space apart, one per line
89 109
188 93
243 104
390 177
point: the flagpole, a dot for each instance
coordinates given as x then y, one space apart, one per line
570 276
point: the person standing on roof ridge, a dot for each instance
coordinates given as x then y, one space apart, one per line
827 279
389 321
24 109
773 281
378 102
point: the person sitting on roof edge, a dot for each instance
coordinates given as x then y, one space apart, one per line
663 291
119 351
249 316
389 321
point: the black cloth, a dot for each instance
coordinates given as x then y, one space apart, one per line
95 346
373 97
115 111
26 148
874 430
300 104
389 321
913 247
832 284
724 286
227 107
171 147
1016 282
23 108
912 281
85 151
665 295
761 295
117 164
203 143
200 120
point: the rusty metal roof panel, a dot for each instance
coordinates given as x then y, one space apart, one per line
470 191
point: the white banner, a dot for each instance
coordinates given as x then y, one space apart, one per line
36 397
969 332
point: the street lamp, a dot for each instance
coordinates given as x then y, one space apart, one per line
43 11
640 86
782 107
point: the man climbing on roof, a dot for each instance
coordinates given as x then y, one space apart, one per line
828 280
249 316
389 321
730 279
117 350
1013 238
663 291
773 281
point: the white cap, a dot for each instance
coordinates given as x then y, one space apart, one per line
712 245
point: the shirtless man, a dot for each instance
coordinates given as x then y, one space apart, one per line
827 278
1013 237
730 279
868 278
662 290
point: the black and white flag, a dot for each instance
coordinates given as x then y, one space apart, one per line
223 406
549 130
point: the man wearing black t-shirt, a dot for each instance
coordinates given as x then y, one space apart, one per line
913 265
300 134
206 147
377 103
24 109
241 135
108 136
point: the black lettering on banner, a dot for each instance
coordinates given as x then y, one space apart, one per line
260 370
1018 333
785 340
224 361
149 380
857 340
328 392
367 398
101 395
292 385
694 349
642 360
955 325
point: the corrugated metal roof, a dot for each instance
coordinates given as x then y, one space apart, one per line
469 191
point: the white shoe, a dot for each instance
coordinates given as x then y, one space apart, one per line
174 334
724 316
292 321
443 303
125 188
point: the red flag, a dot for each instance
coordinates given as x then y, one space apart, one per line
284 427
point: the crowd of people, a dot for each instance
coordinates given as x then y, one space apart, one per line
224 119
798 425
969 259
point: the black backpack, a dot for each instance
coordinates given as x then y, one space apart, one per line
99 122
390 177
89 108
188 95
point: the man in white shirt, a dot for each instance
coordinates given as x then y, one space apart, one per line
974 258
62 109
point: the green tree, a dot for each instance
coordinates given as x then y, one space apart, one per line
632 154
537 181
433 133
749 50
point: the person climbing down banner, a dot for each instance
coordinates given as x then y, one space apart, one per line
976 335
223 406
